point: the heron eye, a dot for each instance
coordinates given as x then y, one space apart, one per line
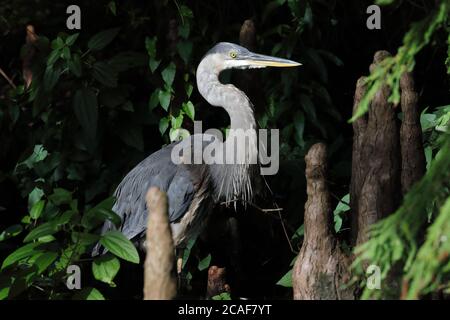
233 54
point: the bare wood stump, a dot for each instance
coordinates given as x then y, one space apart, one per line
322 268
413 157
358 165
378 196
159 280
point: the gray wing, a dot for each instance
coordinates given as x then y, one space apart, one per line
156 170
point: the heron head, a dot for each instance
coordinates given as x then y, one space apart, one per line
232 56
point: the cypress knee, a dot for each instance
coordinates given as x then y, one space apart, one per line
321 268
159 279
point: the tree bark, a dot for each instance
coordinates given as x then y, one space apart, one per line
321 268
248 80
159 279
379 194
413 158
358 167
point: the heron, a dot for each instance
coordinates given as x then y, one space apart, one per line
194 189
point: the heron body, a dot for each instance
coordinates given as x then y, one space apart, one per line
194 189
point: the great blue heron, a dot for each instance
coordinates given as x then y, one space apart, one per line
193 189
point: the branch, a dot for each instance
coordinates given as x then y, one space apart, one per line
8 79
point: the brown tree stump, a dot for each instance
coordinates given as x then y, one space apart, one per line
322 268
376 185
413 157
159 280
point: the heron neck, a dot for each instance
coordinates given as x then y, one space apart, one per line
234 180
227 96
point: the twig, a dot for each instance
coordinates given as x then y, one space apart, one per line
11 83
288 239
253 205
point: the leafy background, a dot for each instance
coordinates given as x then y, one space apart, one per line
105 97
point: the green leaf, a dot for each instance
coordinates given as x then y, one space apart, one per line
44 261
39 154
177 121
427 121
20 253
99 214
86 110
23 278
286 280
163 125
88 294
60 196
102 39
46 239
5 285
184 30
26 220
168 74
74 65
65 218
51 77
187 250
10 232
189 109
222 296
34 197
66 53
153 64
105 268
84 239
127 60
178 134
154 99
70 40
58 43
44 229
105 74
53 57
189 89
119 245
37 209
112 7
300 232
184 49
337 223
186 12
204 263
164 99
428 156
341 207
150 45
